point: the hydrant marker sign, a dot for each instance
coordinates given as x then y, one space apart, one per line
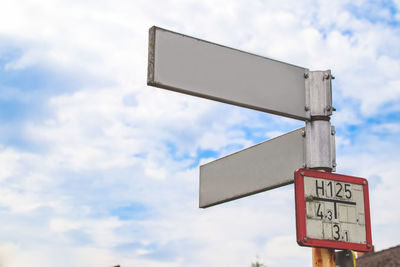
332 211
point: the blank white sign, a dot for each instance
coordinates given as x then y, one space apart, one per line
188 65
258 168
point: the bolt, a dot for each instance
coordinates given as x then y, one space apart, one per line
328 108
332 77
365 182
305 239
334 164
303 133
306 75
304 165
302 173
307 107
326 76
333 132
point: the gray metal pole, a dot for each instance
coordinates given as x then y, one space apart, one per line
320 140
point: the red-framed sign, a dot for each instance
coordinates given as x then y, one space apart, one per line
332 211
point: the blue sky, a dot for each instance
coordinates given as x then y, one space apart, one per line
97 168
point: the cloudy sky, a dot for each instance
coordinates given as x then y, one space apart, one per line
98 169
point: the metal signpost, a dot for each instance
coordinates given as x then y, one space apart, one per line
200 68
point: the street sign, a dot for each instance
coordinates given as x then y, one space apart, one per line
192 66
332 211
258 168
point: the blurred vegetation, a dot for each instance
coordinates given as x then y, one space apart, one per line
258 263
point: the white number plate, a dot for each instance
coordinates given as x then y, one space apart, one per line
332 210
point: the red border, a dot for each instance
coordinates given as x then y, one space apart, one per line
302 239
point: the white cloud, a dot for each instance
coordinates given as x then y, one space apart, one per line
283 251
387 128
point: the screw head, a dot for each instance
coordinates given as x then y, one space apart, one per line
303 133
307 108
305 239
306 75
364 182
334 164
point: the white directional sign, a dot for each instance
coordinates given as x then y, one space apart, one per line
332 210
192 66
188 65
259 168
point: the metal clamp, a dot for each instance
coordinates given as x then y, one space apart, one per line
319 93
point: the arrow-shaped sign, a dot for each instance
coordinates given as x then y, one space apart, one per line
188 65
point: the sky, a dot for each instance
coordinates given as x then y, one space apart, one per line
99 169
